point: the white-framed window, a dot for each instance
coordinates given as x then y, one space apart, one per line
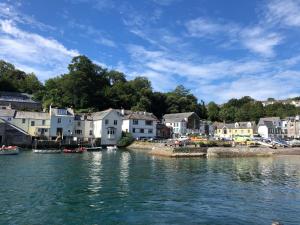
43 122
32 123
142 130
106 122
150 131
91 132
115 122
58 120
23 120
78 124
135 122
133 130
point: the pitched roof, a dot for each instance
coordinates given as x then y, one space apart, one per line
32 115
177 117
16 97
7 112
128 114
100 115
270 119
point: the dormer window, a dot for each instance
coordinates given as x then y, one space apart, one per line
236 125
62 112
249 125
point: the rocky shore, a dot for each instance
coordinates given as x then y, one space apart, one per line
191 151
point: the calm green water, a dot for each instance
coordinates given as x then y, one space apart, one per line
134 188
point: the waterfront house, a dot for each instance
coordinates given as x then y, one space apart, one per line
83 128
107 126
293 127
37 124
182 123
232 130
139 124
270 127
61 123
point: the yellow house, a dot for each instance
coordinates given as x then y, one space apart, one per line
238 129
37 124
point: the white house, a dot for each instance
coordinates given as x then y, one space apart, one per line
61 123
182 123
83 127
270 127
140 124
107 126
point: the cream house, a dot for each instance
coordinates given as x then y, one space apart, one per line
37 124
83 128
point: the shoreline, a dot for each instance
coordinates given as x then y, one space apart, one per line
159 149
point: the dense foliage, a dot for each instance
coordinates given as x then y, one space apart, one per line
88 87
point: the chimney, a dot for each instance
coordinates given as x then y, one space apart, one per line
122 111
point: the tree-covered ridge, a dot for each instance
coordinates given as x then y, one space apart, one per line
88 87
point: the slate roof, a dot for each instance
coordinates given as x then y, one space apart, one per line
100 115
7 112
128 114
177 117
15 97
32 115
263 121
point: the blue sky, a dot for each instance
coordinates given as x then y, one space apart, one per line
218 49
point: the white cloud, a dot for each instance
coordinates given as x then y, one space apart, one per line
257 39
260 41
29 50
286 12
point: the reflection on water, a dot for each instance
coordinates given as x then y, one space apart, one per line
95 173
115 187
124 171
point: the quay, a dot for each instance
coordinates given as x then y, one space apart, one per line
160 149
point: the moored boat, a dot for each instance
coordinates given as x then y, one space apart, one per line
94 149
9 150
114 147
75 150
46 151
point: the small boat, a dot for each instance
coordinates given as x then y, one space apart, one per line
114 147
75 150
46 151
94 149
9 150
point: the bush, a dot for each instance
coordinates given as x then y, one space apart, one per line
125 140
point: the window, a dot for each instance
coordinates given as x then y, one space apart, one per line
43 122
9 119
78 131
23 120
58 120
141 130
46 130
135 122
62 112
32 123
106 122
78 124
91 132
133 130
149 122
110 131
150 131
115 122
249 131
